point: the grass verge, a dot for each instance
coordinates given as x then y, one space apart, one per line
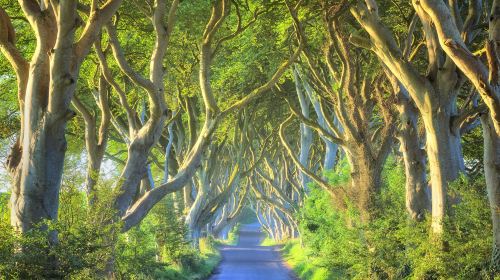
303 265
232 237
192 267
271 242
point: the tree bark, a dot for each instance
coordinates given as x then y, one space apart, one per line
492 176
196 208
485 79
51 84
365 181
95 140
331 148
417 200
445 160
305 132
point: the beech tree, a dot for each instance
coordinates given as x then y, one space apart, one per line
453 35
46 85
133 210
96 138
353 98
434 94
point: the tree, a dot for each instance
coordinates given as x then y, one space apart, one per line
46 86
130 211
353 95
434 94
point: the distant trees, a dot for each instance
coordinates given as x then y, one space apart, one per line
213 115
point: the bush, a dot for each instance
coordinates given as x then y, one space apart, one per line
391 246
87 240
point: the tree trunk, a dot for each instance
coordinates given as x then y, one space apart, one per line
195 210
492 176
93 169
434 96
330 147
195 237
417 200
445 160
365 180
35 197
305 132
38 158
330 154
187 194
134 171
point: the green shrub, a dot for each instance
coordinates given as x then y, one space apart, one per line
87 240
391 246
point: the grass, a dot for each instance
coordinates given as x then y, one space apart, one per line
297 258
232 237
197 269
303 265
208 261
210 257
271 242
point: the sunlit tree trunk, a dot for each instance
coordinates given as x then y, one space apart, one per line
305 131
492 176
37 163
188 194
196 208
95 139
331 148
417 200
434 95
445 160
365 181
143 138
453 39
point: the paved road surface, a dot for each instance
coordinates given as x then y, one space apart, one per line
249 261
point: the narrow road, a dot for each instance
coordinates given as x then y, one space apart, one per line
249 261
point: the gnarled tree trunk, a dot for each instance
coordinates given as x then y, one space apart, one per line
492 176
37 163
445 159
365 180
417 200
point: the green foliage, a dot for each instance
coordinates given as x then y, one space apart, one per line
303 265
158 243
268 241
340 175
232 236
336 244
87 241
473 149
82 247
391 246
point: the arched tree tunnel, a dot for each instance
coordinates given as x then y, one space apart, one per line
364 136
